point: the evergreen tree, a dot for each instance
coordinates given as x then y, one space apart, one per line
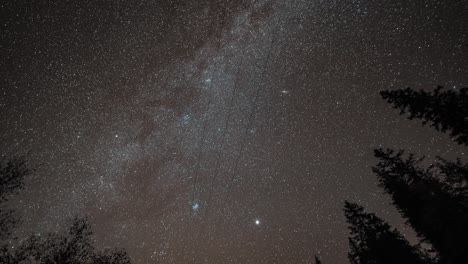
75 247
444 110
433 200
373 241
455 175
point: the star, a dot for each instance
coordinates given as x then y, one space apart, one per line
257 222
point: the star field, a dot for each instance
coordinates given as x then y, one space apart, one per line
218 131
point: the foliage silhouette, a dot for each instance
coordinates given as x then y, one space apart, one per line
373 241
74 247
444 110
434 200
12 175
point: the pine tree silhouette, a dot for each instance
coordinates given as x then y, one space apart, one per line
455 175
373 241
75 247
444 110
435 207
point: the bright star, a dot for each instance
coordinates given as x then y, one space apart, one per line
195 206
257 222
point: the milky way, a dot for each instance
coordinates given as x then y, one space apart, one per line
218 131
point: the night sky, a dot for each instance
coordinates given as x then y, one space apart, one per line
216 131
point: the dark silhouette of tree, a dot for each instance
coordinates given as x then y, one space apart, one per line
12 174
433 200
75 247
455 175
444 110
317 260
373 241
